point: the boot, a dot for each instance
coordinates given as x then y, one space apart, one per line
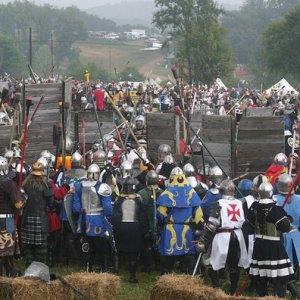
213 275
234 275
132 270
293 290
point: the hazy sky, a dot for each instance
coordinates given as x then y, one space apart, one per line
92 3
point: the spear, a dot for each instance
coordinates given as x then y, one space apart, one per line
28 104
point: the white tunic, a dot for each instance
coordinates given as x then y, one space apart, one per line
232 217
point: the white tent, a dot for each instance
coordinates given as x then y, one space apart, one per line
281 86
219 83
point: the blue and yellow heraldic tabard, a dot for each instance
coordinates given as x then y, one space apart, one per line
178 212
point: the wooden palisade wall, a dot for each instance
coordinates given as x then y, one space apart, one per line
259 140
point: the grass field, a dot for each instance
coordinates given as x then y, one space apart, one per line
109 54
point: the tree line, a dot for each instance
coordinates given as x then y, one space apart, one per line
206 40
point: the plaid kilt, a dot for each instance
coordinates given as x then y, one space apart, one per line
32 233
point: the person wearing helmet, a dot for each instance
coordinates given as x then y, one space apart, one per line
270 262
99 95
249 190
140 129
149 195
190 173
93 210
75 175
224 231
35 220
292 208
163 151
11 201
69 148
215 177
130 224
165 169
179 215
279 166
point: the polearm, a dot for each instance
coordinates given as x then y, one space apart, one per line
83 142
28 104
241 289
99 126
122 118
179 112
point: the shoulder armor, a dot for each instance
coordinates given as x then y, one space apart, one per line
104 190
214 191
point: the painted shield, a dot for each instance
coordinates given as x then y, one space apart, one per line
68 205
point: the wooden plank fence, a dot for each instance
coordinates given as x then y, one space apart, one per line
259 140
217 132
162 128
40 134
92 132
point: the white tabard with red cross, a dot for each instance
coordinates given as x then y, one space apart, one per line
232 216
232 213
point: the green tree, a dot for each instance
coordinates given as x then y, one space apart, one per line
42 61
76 70
193 26
131 73
281 43
10 58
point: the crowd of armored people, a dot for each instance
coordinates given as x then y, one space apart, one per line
103 212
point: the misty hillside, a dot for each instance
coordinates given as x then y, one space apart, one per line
140 12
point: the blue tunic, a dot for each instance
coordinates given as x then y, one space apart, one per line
178 208
291 239
207 202
96 224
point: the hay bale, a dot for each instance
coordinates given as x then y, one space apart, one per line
96 285
181 287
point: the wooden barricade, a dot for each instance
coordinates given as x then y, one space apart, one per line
259 140
91 131
162 128
260 112
40 133
217 132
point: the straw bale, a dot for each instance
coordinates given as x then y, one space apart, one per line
181 287
95 285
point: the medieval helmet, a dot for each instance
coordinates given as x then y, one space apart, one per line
76 160
176 172
188 170
265 190
128 185
163 150
93 172
38 270
227 189
3 165
152 178
9 154
285 183
206 168
126 169
96 146
139 121
46 154
43 161
169 159
245 187
280 159
258 180
216 175
99 158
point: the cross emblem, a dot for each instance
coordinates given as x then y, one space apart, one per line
234 212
